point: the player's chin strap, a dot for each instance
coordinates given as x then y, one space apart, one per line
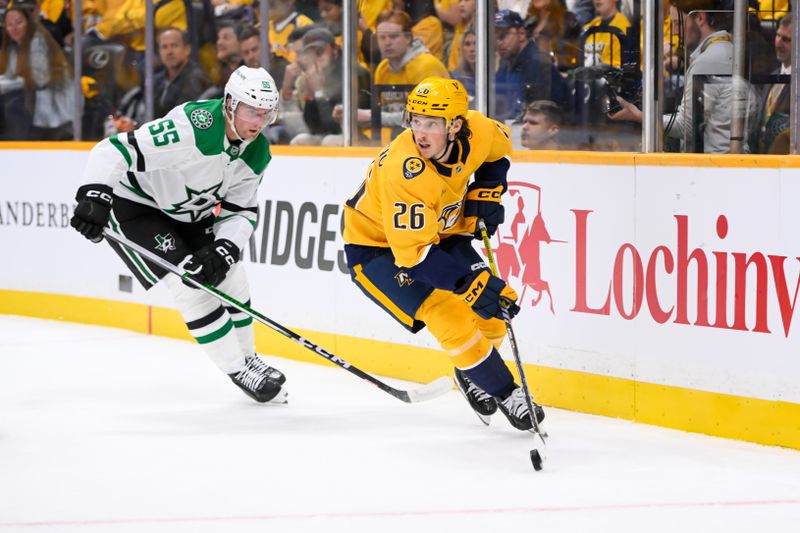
229 116
446 152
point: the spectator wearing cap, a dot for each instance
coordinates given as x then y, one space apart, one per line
319 88
36 100
291 72
250 50
524 74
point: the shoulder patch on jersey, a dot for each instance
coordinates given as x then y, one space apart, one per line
208 125
412 167
201 119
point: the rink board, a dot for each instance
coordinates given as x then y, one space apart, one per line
673 279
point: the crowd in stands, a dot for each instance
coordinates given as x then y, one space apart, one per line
568 72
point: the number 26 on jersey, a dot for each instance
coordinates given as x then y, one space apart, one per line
409 217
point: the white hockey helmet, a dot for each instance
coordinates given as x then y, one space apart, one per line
254 87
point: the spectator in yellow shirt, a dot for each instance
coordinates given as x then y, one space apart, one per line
405 61
466 9
283 20
123 20
603 45
369 10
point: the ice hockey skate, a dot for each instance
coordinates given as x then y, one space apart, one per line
515 408
260 381
482 403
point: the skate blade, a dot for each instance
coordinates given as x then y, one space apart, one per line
483 418
541 432
281 397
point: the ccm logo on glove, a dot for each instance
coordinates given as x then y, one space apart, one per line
484 203
488 295
101 195
474 291
92 212
492 195
211 263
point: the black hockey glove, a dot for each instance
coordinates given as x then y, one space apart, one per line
483 201
487 294
210 264
92 212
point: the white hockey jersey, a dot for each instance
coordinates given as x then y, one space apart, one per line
184 165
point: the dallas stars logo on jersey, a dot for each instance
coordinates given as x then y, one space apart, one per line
197 203
202 119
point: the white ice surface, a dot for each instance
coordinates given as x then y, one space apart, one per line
110 431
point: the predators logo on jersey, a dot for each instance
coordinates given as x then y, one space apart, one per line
413 166
403 278
449 215
391 210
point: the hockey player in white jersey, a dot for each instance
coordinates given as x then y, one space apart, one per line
161 186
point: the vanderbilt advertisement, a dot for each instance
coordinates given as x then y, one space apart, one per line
669 275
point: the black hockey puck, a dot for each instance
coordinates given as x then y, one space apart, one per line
536 460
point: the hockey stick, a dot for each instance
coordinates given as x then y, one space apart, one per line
536 457
426 392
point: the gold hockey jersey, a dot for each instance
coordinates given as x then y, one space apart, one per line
409 203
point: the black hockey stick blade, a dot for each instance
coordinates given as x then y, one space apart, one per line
426 392
537 458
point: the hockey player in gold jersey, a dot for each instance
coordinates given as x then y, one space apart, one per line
409 231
